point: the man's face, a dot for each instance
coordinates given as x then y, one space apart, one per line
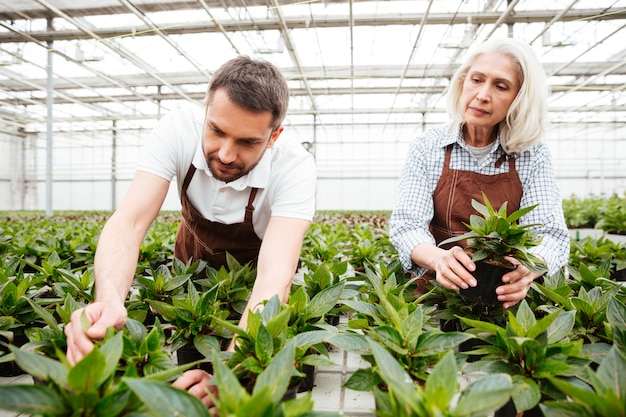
235 137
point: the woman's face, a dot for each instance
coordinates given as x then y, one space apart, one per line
489 88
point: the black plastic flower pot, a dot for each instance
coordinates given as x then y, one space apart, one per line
489 277
11 368
619 276
308 381
189 353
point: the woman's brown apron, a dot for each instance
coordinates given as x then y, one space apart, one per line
453 196
200 238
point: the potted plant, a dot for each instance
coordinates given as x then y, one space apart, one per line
600 392
267 396
100 384
531 351
266 334
234 285
403 327
16 312
441 395
198 326
493 236
158 284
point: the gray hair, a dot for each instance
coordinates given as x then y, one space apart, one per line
527 118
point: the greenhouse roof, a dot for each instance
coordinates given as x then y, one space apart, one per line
346 61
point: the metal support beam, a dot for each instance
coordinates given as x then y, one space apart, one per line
49 121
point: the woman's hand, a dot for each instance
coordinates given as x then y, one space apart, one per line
196 383
517 284
453 269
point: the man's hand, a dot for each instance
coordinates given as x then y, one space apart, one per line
196 382
100 316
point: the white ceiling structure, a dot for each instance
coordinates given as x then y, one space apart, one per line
367 72
131 59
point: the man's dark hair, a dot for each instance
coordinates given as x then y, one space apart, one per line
255 84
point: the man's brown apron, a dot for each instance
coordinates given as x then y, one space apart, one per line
453 199
200 238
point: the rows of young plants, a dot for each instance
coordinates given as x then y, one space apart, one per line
562 351
604 213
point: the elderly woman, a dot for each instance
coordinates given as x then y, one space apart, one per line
497 104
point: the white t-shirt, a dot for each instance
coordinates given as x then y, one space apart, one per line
285 175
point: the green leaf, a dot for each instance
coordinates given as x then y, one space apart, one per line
263 345
166 401
434 343
166 310
525 317
41 367
312 337
442 384
526 393
616 313
231 392
363 379
392 373
206 344
43 313
86 375
351 342
361 307
484 395
561 327
111 352
31 399
324 301
278 373
612 372
112 405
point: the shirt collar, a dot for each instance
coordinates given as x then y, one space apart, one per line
456 136
259 177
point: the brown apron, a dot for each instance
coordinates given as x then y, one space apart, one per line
453 196
200 238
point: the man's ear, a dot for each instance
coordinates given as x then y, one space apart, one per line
275 134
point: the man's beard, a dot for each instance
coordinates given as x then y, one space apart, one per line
235 171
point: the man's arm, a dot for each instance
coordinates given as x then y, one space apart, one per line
115 262
278 260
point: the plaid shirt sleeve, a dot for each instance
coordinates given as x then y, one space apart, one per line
540 187
408 224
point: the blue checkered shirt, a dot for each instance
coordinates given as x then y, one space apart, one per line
408 226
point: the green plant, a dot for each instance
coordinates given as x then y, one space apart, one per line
612 217
158 284
266 334
581 212
266 397
493 235
603 396
319 277
401 326
589 307
195 316
234 285
99 385
440 395
16 289
530 350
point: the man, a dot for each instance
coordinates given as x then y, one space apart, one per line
242 190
